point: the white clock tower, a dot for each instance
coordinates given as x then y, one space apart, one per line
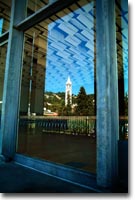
68 92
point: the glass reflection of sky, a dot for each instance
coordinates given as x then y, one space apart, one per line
124 24
70 51
1 25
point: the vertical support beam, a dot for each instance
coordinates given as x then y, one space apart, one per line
12 80
37 100
107 94
38 77
24 100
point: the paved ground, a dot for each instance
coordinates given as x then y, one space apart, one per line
18 179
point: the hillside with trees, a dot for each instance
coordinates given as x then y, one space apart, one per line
82 104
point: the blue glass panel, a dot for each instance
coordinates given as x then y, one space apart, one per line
70 51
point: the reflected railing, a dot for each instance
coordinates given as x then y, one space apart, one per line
123 128
75 125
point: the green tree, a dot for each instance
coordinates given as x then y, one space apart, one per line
62 108
82 103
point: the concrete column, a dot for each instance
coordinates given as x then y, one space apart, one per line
24 100
107 94
37 98
38 78
10 106
37 90
25 85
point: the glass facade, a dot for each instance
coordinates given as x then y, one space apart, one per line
60 91
58 80
122 63
57 112
5 12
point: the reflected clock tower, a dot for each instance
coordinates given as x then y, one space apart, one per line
68 92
